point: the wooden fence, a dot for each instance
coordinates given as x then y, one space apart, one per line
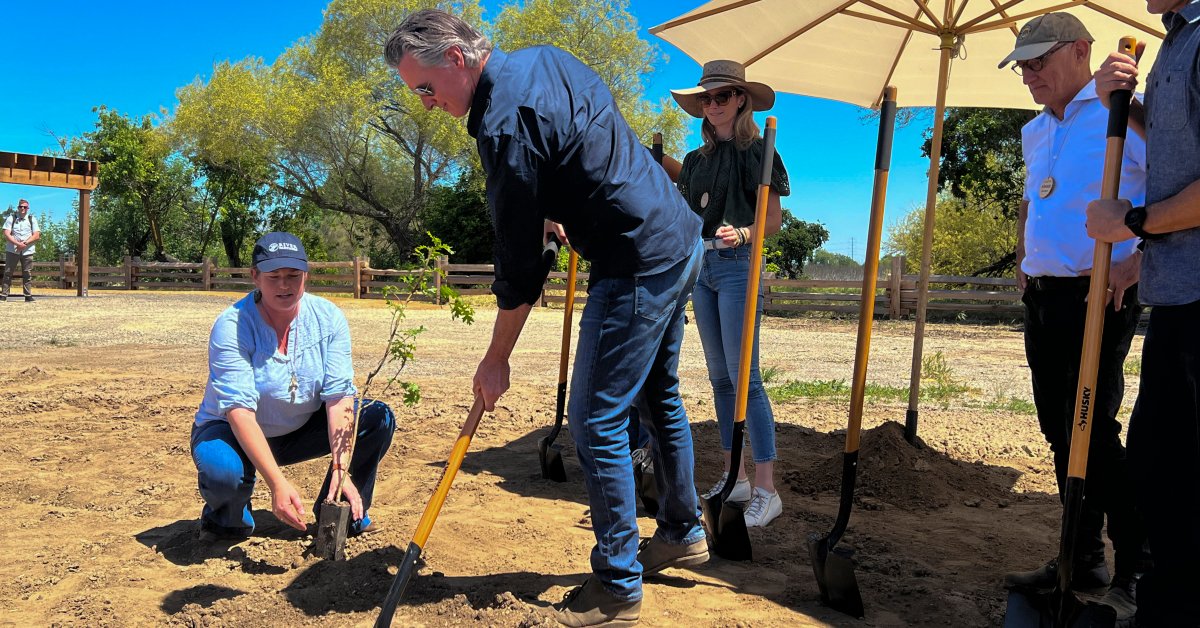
895 297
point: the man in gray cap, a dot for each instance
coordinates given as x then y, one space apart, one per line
1064 150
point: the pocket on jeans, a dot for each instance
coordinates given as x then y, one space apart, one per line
648 305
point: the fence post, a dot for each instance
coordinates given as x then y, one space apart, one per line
206 274
357 277
894 287
439 269
127 263
62 271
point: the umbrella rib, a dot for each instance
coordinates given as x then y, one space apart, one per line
807 27
924 7
699 16
998 9
907 26
895 63
907 21
1125 20
962 7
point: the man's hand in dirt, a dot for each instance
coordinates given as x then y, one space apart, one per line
491 381
349 493
286 504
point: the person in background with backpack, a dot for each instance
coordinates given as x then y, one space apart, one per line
21 230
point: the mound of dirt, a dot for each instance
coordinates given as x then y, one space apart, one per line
33 373
892 471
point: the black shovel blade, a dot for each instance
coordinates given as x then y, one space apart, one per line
550 457
727 534
404 576
647 487
834 571
1052 609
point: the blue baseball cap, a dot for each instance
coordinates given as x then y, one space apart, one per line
279 250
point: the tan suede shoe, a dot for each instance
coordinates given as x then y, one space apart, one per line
592 605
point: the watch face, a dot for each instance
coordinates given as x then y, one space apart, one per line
1135 217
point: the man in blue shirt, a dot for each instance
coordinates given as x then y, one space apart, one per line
555 148
1164 431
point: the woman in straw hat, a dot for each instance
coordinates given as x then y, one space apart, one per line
720 181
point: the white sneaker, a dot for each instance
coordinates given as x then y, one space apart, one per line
741 490
763 508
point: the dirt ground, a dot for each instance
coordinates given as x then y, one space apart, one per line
100 501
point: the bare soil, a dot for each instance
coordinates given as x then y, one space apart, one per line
100 503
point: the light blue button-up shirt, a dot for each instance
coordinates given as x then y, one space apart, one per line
246 369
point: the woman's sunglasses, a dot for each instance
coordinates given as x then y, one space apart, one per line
721 98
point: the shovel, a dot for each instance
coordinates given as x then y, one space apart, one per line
726 521
1062 606
832 565
408 564
549 454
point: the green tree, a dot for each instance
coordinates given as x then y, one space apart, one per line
968 236
58 238
144 185
981 156
827 258
461 215
793 246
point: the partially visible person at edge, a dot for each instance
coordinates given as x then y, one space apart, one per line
555 147
281 391
1164 431
21 230
720 181
1064 150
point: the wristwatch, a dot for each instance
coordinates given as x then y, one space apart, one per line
1135 219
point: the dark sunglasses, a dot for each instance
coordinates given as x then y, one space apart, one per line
1038 63
721 98
22 207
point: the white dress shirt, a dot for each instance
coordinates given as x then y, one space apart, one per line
1072 151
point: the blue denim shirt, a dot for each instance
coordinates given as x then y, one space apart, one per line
554 145
1171 265
246 370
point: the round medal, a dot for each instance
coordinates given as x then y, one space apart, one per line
704 200
1047 187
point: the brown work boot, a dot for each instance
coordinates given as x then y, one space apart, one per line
656 554
591 605
1092 580
1121 597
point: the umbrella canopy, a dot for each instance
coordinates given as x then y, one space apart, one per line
936 52
849 50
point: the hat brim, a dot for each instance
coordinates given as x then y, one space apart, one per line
1025 53
267 266
762 96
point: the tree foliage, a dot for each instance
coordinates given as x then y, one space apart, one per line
794 245
968 236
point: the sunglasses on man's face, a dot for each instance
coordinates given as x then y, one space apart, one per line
425 89
721 98
22 207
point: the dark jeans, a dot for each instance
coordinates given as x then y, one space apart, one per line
1164 452
1055 314
11 261
629 340
227 476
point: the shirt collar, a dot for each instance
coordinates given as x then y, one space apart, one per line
483 90
1088 92
1189 14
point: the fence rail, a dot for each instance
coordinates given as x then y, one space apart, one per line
895 297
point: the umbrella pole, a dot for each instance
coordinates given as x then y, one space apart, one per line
935 157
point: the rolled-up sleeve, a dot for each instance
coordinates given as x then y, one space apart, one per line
339 367
229 366
513 167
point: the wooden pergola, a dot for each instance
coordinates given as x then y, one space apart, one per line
58 172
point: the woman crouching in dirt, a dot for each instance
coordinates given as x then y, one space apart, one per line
281 391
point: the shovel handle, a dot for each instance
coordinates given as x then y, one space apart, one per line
457 453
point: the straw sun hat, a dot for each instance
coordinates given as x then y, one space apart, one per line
718 74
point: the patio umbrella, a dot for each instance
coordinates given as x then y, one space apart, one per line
937 53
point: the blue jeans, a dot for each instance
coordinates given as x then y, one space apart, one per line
629 340
227 476
718 303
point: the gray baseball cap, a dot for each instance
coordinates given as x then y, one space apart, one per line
1041 34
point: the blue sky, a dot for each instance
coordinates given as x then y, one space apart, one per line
132 55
